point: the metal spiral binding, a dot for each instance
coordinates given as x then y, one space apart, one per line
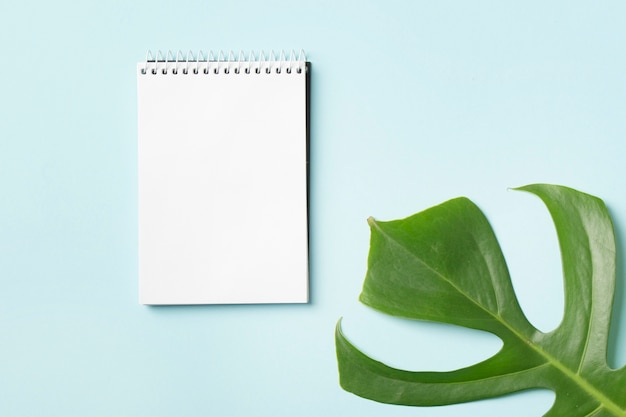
222 63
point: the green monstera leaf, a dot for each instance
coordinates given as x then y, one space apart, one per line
445 265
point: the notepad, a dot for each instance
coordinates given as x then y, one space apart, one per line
222 172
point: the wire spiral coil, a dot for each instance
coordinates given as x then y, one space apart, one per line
221 63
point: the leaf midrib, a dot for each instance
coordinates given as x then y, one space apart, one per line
604 401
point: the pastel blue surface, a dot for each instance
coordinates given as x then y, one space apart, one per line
413 103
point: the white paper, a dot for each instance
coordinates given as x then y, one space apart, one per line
222 187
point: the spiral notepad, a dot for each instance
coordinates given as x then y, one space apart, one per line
222 168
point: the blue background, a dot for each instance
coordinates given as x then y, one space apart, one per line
413 103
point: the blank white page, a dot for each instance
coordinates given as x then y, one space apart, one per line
222 185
